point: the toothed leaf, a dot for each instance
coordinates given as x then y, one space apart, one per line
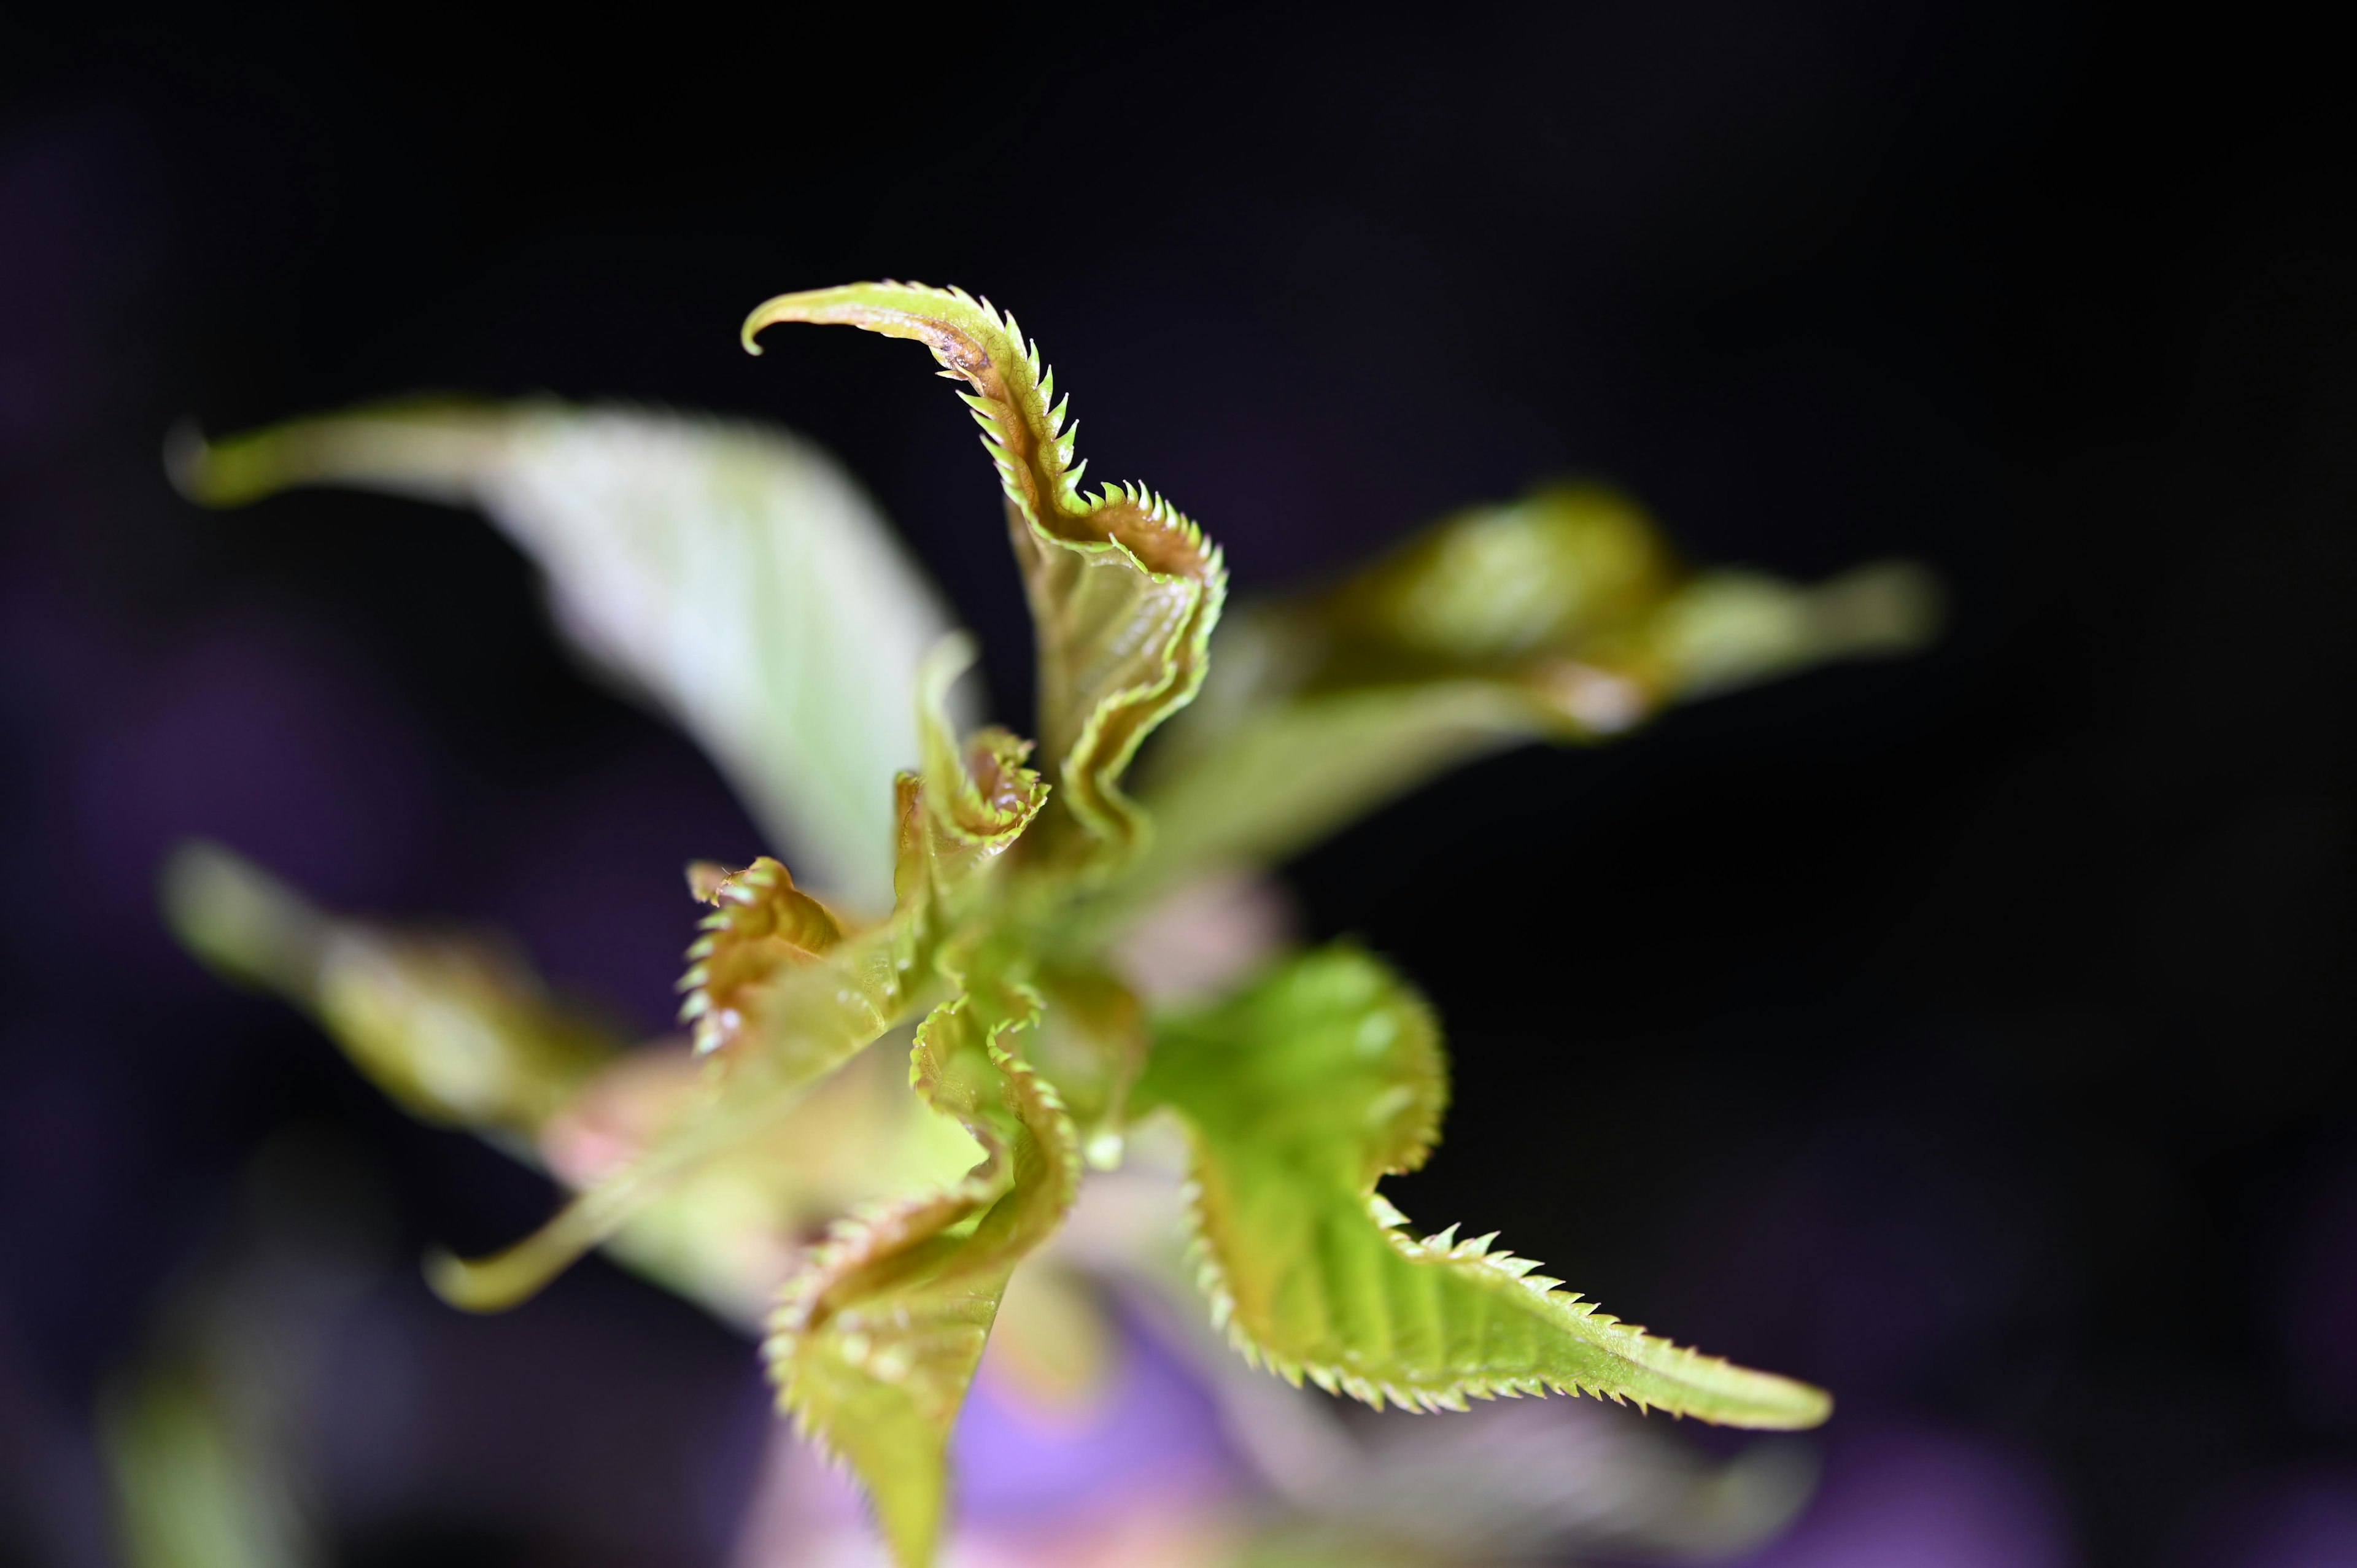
1298 1095
1123 590
762 927
980 797
735 575
1563 615
785 1018
874 1343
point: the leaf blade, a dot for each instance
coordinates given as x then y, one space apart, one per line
1562 616
1307 1266
725 572
875 1344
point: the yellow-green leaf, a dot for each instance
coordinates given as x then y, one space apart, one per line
783 1019
1299 1094
761 926
1124 589
874 1345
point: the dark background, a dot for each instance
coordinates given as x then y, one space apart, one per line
1968 1034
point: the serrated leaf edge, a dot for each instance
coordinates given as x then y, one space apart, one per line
1569 1308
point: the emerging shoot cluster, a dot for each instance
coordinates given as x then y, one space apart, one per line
985 916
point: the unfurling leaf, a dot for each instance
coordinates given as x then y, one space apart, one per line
761 924
456 1030
736 576
980 796
1563 615
1298 1095
782 998
785 1018
874 1345
1123 590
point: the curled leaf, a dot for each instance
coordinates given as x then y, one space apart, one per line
735 575
1124 589
1297 1096
760 924
780 997
874 1345
785 1018
1091 1044
979 796
729 1234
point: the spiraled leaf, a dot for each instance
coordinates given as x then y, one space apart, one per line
979 796
734 575
761 926
1123 590
455 1029
1298 1095
874 1343
1563 615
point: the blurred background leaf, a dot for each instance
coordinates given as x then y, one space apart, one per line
732 574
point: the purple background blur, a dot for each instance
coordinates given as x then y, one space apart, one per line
1970 1035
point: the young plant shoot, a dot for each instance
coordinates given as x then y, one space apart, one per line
972 896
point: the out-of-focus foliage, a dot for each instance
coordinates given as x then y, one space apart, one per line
1563 615
460 1033
454 1029
199 1487
733 575
204 1434
1006 960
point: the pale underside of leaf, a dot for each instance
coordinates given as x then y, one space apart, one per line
1365 1309
1297 1097
734 575
1123 590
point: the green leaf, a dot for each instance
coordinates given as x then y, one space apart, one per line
1298 1095
980 797
1123 590
1091 1044
762 927
191 1490
734 575
780 997
874 1343
456 1030
776 1017
1562 616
